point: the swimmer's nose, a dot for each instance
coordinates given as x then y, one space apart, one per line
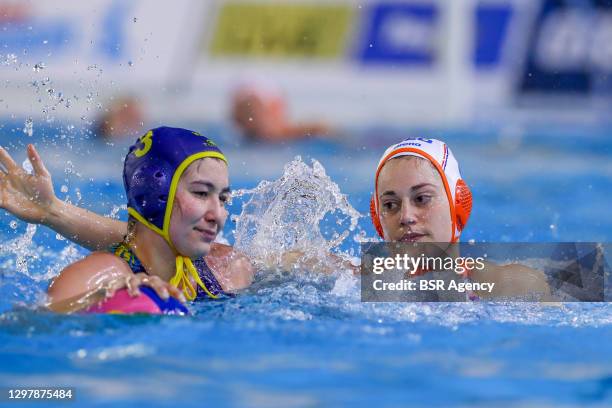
216 212
407 213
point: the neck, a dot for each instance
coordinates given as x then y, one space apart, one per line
156 255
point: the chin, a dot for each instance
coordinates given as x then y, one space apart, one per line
194 252
201 250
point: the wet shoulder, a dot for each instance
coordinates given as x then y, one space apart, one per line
232 269
87 274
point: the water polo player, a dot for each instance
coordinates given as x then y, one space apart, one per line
176 183
420 196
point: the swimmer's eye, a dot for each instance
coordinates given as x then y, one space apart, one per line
423 199
390 206
225 199
201 193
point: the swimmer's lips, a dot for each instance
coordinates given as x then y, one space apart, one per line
207 234
411 237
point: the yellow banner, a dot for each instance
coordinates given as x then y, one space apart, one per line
281 30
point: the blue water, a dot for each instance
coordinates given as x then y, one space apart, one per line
306 340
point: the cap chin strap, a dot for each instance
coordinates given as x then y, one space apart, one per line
181 277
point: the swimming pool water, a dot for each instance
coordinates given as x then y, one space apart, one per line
301 339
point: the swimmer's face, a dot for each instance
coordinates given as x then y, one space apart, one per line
413 202
199 207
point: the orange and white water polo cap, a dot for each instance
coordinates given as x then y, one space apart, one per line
440 155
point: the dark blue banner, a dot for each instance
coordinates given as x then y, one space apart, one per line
570 48
491 32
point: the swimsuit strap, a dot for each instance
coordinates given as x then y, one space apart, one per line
123 251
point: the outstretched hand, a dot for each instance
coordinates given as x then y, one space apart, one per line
27 196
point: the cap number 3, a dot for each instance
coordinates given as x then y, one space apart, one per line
147 142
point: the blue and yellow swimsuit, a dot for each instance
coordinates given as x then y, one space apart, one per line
213 287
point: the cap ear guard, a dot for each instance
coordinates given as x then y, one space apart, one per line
463 204
375 219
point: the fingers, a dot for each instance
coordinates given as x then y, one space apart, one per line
37 163
113 285
7 161
132 283
176 293
154 282
163 289
159 286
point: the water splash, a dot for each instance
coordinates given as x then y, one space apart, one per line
285 215
115 211
8 59
20 247
27 166
28 127
39 66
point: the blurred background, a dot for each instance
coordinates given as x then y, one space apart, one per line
350 63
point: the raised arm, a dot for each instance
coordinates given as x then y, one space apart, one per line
31 198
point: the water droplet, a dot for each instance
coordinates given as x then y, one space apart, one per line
39 66
135 19
13 224
28 127
64 188
45 42
59 237
27 166
69 168
130 63
9 59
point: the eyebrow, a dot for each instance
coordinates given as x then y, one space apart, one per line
413 188
210 185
